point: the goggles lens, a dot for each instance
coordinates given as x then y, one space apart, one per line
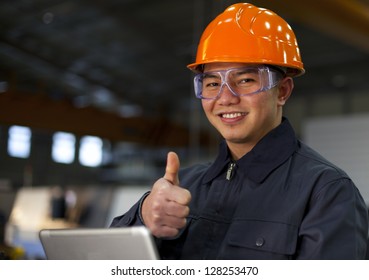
240 81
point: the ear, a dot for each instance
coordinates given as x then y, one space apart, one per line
285 88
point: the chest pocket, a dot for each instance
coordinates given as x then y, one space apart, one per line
254 239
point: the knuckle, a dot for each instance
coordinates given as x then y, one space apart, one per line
188 196
183 223
156 219
156 206
186 211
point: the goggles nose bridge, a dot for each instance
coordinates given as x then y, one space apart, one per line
225 83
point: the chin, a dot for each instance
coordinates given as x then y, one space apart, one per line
235 139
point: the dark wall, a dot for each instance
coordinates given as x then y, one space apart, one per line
39 169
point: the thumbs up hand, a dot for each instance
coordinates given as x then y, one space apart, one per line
165 209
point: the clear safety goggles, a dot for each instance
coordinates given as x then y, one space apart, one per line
240 81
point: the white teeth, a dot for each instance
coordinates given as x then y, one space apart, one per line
232 115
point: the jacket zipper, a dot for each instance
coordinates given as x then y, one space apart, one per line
230 171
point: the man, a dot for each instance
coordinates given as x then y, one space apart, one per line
267 195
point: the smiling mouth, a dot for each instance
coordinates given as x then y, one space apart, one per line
231 115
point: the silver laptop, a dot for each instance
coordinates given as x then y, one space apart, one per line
132 243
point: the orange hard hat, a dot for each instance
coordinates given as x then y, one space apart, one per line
248 34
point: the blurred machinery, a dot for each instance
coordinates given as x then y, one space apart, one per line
25 212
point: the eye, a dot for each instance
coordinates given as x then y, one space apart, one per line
211 82
245 81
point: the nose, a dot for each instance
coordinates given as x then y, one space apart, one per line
226 96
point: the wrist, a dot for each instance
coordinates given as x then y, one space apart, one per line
141 206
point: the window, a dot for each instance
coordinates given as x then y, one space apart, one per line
19 141
63 149
91 151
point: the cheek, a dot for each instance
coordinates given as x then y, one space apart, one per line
207 106
263 104
260 101
270 98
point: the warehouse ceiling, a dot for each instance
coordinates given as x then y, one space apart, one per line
117 68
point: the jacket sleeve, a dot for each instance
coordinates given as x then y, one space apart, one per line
336 223
132 217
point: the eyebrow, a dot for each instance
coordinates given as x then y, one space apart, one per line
210 75
237 72
246 71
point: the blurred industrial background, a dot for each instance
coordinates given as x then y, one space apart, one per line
93 94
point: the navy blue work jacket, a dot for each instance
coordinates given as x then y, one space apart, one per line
282 200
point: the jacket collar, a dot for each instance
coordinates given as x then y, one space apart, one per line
270 152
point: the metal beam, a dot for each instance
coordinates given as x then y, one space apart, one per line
347 20
40 112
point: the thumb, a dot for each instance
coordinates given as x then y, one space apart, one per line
172 168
